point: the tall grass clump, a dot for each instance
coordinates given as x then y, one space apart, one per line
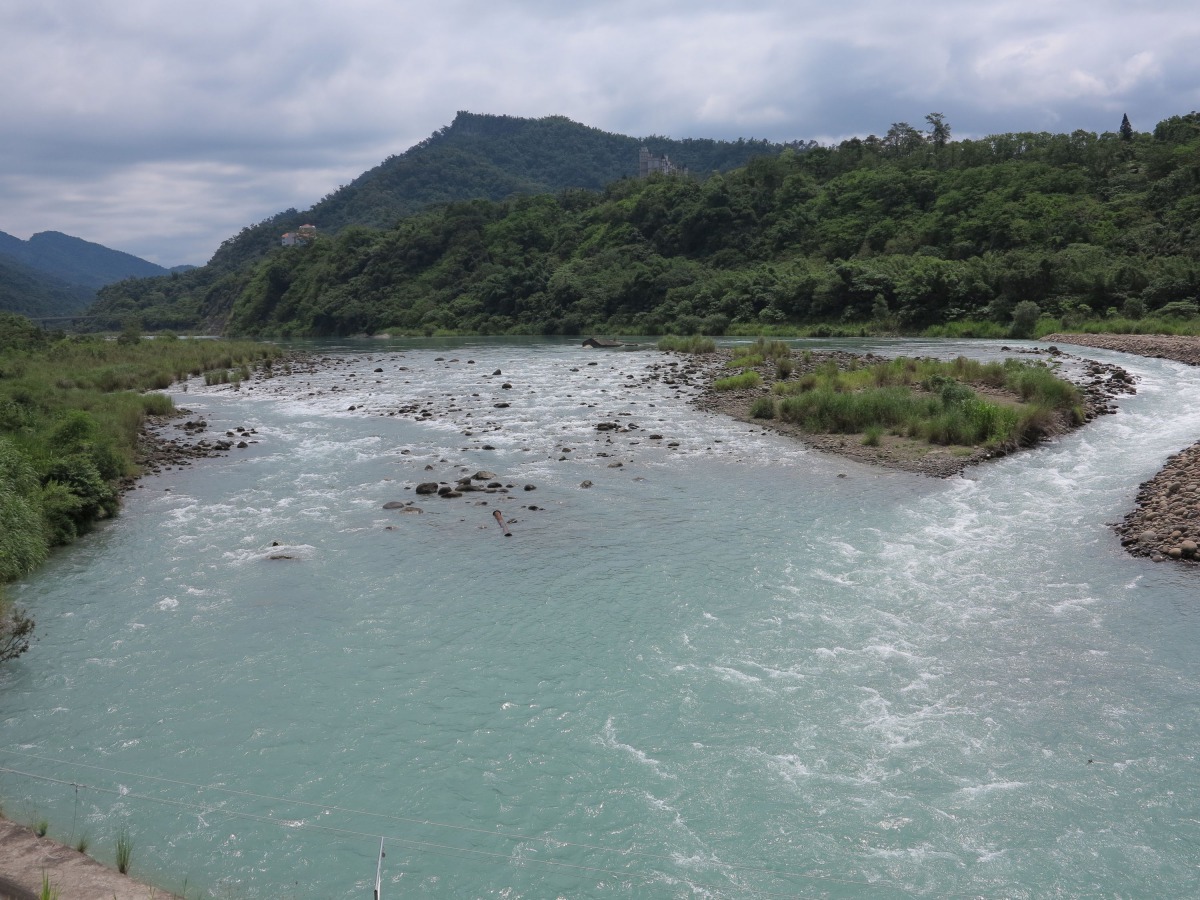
696 343
763 408
1036 383
48 891
124 850
744 358
968 328
739 382
835 412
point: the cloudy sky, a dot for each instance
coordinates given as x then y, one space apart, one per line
162 127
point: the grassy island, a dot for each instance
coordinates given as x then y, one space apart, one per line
924 414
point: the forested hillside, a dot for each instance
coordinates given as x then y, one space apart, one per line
910 230
75 260
29 292
481 157
54 274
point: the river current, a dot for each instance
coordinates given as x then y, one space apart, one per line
731 667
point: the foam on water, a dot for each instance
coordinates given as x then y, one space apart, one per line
720 669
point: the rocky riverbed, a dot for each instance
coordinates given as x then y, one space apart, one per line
1164 524
168 442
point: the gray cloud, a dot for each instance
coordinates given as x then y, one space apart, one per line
162 129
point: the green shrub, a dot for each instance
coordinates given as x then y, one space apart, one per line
62 510
1133 308
806 382
1024 318
16 630
78 474
157 404
23 545
1179 309
873 436
763 408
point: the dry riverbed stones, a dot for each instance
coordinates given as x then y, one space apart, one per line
1165 525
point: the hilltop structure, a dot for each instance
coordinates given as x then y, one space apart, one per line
649 164
302 235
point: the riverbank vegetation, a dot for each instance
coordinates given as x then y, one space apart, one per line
71 409
1011 235
903 406
930 400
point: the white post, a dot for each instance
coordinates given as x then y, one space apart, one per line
379 871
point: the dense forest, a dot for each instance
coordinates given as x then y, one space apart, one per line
906 231
30 292
477 157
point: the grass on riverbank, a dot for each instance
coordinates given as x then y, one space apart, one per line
70 412
926 399
695 343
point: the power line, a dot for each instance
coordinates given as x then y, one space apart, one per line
775 873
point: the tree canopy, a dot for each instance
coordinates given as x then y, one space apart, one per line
912 227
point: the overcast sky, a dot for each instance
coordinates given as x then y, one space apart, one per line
162 127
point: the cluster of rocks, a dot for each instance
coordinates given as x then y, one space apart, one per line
157 451
1104 383
1165 524
482 482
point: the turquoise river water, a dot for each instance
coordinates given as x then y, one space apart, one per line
730 668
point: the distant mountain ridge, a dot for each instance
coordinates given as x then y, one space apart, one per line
75 260
33 293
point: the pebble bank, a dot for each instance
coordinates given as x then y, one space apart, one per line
1165 522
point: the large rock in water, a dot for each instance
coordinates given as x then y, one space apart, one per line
428 487
394 504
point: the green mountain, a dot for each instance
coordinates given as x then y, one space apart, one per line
909 230
75 260
477 157
33 293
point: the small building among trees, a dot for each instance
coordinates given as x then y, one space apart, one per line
302 235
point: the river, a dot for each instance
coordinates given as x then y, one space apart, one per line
731 667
